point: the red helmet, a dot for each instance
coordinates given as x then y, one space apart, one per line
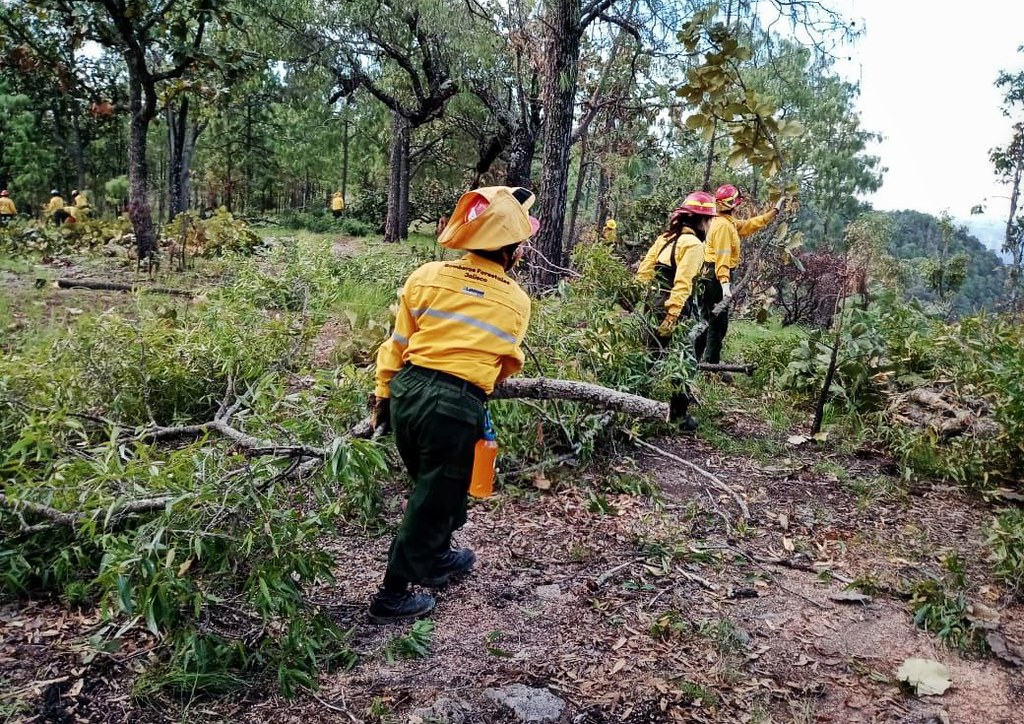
728 196
699 203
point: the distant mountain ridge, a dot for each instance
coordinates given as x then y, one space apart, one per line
990 232
916 236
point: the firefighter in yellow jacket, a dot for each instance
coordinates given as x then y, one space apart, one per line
458 333
675 257
722 254
337 204
673 261
8 211
54 209
609 232
81 202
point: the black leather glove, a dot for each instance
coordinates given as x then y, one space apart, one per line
380 414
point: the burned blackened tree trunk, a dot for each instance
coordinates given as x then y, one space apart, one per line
566 21
182 134
141 110
396 226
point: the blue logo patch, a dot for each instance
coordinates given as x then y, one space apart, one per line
472 292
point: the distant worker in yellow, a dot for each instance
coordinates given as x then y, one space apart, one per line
609 231
722 254
55 204
81 201
8 211
337 204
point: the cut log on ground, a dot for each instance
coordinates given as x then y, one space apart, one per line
112 287
541 388
743 369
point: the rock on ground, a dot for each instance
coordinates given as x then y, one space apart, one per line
528 704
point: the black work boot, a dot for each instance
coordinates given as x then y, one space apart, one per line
451 564
388 606
679 406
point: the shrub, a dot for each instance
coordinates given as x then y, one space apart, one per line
808 291
215 235
216 564
1005 541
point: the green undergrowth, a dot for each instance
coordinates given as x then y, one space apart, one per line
187 540
212 552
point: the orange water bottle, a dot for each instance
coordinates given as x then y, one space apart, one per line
481 485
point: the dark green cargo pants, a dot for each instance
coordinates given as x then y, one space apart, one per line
437 421
708 346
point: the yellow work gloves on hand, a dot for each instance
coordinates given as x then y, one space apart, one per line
668 325
380 414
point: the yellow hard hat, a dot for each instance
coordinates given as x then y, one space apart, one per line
610 224
489 218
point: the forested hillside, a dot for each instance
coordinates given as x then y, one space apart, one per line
917 238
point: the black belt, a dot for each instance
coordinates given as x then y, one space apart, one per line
446 379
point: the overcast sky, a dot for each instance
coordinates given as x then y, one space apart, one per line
926 71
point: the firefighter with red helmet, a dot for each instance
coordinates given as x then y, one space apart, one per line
673 262
722 254
675 257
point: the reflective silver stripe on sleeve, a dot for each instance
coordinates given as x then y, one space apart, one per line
466 319
400 339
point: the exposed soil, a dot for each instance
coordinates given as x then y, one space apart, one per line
633 610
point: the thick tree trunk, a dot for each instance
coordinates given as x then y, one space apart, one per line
396 226
561 72
138 170
177 189
521 150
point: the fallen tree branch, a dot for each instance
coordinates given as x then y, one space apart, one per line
112 287
542 388
604 577
741 504
221 423
67 519
745 369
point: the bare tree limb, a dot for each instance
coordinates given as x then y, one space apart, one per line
740 503
112 287
68 519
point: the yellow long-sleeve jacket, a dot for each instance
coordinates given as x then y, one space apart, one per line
689 253
723 247
56 202
337 203
466 318
82 201
7 207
